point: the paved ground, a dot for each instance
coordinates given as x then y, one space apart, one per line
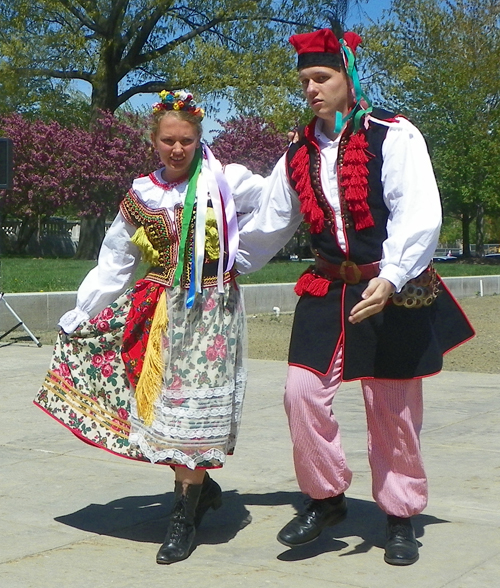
75 517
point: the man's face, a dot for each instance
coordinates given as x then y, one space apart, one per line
327 91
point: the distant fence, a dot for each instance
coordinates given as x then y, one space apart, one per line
456 251
58 237
55 237
42 310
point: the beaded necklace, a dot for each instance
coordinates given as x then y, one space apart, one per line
166 185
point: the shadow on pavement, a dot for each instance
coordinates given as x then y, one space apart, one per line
144 519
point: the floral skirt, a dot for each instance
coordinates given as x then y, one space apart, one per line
198 412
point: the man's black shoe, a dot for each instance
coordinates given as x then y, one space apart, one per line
307 526
401 548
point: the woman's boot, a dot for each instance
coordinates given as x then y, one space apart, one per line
210 497
181 527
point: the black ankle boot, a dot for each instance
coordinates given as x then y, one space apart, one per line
401 548
210 497
181 527
307 526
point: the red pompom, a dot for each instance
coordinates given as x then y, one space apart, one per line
308 203
352 40
309 283
354 180
303 283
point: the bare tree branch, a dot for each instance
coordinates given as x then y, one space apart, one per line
82 17
54 73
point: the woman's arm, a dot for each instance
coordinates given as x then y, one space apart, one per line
118 259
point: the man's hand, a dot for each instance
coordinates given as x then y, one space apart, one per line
374 297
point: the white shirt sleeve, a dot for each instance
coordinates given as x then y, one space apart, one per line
246 187
271 215
412 197
118 259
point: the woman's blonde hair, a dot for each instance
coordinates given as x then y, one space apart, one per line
178 114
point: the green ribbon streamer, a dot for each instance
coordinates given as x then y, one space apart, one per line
357 112
187 213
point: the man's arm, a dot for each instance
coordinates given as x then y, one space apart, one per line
268 218
412 197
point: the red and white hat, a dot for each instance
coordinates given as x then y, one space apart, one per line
322 48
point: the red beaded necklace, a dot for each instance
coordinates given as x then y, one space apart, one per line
167 185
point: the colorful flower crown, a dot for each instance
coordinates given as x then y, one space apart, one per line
178 100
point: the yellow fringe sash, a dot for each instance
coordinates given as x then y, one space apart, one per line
212 248
150 381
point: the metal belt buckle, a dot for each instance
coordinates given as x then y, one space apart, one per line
350 272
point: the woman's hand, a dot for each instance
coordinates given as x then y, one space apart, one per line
375 297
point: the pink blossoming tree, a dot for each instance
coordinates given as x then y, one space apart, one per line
258 145
75 171
251 141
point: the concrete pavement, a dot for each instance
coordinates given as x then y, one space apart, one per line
74 516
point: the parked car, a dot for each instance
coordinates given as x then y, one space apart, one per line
445 258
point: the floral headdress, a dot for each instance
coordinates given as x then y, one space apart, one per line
178 100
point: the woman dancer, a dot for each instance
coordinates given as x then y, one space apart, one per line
156 372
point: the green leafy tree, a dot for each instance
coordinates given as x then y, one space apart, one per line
122 48
125 47
437 62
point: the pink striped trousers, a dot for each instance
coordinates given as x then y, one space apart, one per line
394 411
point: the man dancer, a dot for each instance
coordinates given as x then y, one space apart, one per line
370 308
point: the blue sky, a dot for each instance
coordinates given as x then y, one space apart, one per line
373 9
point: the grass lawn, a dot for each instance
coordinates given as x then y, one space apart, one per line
25 274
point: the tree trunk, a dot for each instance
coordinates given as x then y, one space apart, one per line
480 230
466 234
91 235
105 85
26 231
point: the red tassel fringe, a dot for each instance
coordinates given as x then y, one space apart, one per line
309 283
308 204
354 180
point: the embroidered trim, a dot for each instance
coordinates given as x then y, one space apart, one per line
197 413
158 228
85 405
199 393
163 235
179 433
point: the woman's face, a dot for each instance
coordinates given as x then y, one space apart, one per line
176 141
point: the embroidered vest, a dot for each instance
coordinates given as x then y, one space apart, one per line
163 235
